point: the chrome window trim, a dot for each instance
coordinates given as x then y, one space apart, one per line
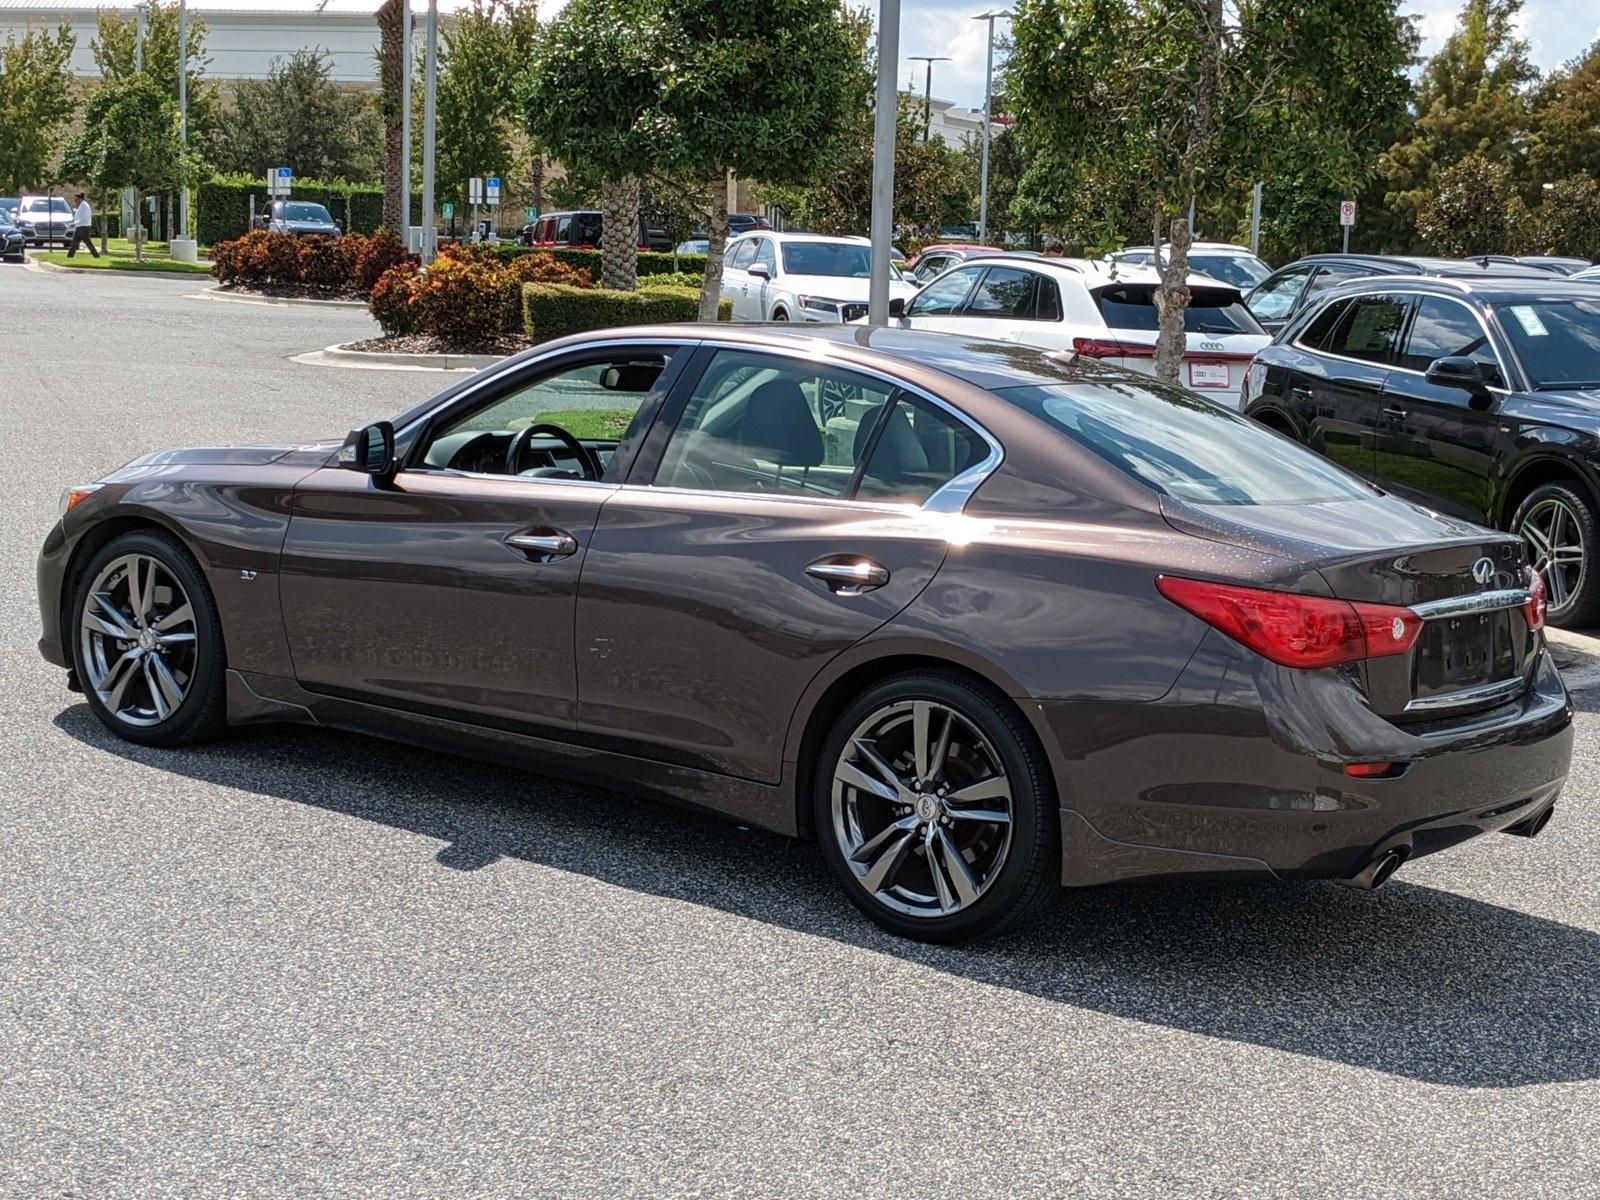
1473 602
1504 690
1387 366
950 497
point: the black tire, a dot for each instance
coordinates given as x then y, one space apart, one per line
202 712
1026 879
1579 603
779 314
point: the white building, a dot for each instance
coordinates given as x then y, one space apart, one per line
947 120
245 35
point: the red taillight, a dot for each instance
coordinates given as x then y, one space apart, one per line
1294 630
1111 348
1538 604
1371 770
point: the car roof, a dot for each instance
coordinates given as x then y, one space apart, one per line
1417 264
1093 274
1488 287
1204 246
786 236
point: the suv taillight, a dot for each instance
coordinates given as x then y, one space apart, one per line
1538 605
1294 630
1111 348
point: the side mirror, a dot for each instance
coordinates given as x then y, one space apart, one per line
1457 371
897 306
759 270
370 450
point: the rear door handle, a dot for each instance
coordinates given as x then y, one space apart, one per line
1395 412
543 543
849 574
1301 391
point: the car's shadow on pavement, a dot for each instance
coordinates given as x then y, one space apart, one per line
1412 981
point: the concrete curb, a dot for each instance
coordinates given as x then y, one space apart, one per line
1577 655
372 360
219 293
46 268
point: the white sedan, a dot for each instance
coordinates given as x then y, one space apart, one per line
773 276
1098 310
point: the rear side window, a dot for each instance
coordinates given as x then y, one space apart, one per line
1369 329
1446 329
1210 310
919 449
1186 447
1010 293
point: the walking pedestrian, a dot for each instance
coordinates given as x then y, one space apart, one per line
82 226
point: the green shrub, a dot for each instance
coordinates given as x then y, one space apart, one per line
651 262
552 310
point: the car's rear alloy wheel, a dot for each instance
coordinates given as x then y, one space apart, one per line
148 645
935 810
1561 531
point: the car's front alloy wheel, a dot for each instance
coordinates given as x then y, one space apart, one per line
934 810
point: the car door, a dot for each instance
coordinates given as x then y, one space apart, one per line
763 288
753 542
736 281
1438 444
1341 375
450 588
937 306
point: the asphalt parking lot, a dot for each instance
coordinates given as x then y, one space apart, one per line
301 963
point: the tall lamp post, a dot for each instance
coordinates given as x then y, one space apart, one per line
988 103
885 120
405 117
430 95
182 247
927 90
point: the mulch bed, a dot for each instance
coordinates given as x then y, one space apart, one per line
428 344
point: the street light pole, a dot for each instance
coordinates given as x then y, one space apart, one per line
405 120
988 102
430 95
885 122
927 91
183 115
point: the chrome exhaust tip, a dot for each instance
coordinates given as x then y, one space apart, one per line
1533 825
1376 873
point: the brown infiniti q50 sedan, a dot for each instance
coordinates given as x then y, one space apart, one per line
982 620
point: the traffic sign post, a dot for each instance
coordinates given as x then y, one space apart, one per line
474 198
491 197
1347 218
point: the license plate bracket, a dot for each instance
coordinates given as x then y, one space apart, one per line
1208 375
1455 653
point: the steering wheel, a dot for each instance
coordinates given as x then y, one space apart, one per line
588 461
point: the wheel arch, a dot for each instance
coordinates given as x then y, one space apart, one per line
1535 471
1278 420
868 664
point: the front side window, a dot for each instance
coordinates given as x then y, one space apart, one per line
1369 329
1329 276
1557 341
1186 447
595 401
928 267
1448 329
765 256
563 229
742 254
1211 310
1317 331
1274 298
944 295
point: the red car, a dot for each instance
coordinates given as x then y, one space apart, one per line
940 257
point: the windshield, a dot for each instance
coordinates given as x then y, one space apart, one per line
1558 341
1186 447
1241 270
306 212
1211 310
39 204
844 260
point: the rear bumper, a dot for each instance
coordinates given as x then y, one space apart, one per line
1214 780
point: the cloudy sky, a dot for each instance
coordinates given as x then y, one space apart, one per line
1557 30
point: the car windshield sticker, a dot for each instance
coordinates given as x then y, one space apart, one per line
1529 320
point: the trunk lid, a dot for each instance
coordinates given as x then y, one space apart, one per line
1476 648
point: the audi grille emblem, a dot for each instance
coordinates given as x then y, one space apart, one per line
1483 570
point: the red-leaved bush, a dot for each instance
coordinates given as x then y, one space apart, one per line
344 266
468 298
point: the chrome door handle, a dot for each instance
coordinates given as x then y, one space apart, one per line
849 574
544 545
1395 412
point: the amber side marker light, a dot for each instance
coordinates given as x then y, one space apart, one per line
72 497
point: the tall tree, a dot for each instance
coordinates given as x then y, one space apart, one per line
37 99
298 117
1472 99
1566 121
116 55
1468 209
1181 98
593 96
130 140
392 17
761 89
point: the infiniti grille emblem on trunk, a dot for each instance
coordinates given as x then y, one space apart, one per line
1483 570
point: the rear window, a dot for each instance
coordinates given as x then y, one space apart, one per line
1186 447
1244 273
1210 310
1558 341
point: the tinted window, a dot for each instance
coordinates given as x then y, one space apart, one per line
1447 328
1369 329
1316 333
1329 276
586 228
1243 273
1274 298
1004 292
742 253
1558 341
847 260
945 295
563 226
919 449
303 212
761 423
1186 447
1133 306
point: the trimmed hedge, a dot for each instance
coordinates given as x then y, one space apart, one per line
651 262
222 205
552 310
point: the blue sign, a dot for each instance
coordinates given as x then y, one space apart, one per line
285 173
492 189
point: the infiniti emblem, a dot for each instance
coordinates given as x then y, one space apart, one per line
1483 570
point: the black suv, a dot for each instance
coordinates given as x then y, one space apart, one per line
1288 290
1478 398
